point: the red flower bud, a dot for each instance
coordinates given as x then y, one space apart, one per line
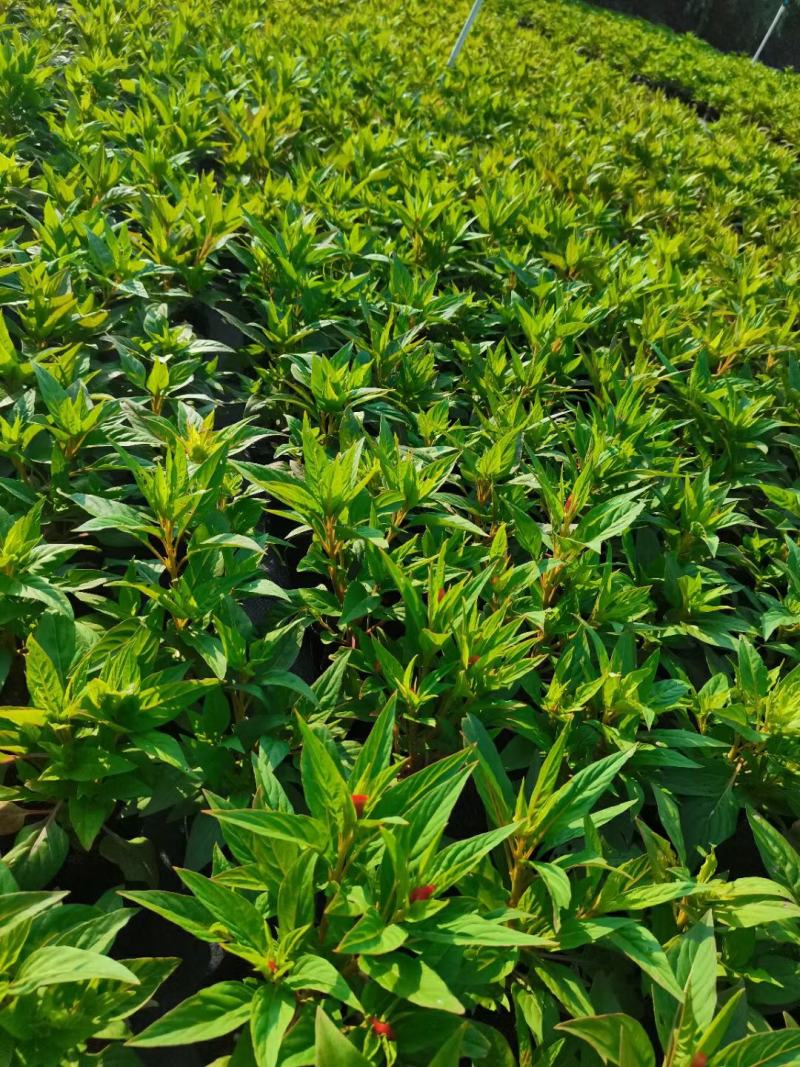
422 892
440 596
699 1060
382 1029
472 661
359 802
272 965
568 503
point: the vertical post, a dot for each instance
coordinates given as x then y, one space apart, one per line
771 30
464 32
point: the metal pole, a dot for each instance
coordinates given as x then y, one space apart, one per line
477 5
770 31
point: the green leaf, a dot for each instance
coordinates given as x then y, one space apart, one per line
617 1039
416 616
213 1012
649 896
283 487
209 649
558 887
358 602
38 853
783 703
577 796
186 912
476 930
490 775
229 907
113 515
564 984
717 1031
412 979
547 779
372 936
314 972
298 829
449 1054
287 680
609 519
457 860
162 747
231 540
296 895
325 790
87 815
780 859
376 752
52 393
56 964
20 907
669 813
271 1011
331 1047
264 587
696 970
39 590
136 857
641 946
781 1049
42 678
751 674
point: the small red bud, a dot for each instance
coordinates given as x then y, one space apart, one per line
272 965
359 802
472 661
568 503
382 1029
440 596
699 1060
422 892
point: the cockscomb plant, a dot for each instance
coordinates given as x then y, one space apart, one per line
64 998
31 571
349 905
91 738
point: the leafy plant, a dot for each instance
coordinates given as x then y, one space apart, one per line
61 990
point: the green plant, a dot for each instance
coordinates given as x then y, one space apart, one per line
60 990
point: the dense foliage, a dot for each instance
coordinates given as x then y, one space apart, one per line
399 552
